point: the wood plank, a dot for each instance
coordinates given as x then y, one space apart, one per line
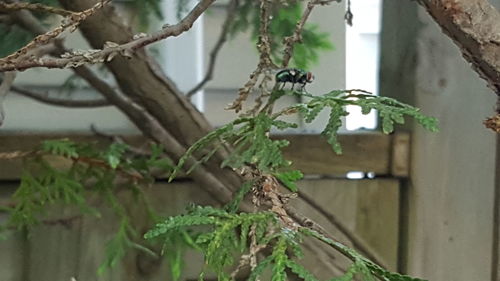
366 152
12 253
451 189
368 208
12 250
400 164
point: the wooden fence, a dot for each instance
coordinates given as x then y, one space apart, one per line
369 208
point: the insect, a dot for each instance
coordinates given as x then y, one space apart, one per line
294 76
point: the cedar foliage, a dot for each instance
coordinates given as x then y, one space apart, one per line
224 236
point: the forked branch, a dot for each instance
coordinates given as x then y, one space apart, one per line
109 51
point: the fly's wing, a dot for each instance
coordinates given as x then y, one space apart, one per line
283 76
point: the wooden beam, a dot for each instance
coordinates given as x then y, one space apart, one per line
366 152
400 164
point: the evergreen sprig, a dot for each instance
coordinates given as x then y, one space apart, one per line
225 235
390 111
221 241
120 244
35 194
88 168
251 143
361 265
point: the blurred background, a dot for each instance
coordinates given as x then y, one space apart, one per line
422 203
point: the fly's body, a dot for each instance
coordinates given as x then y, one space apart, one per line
294 76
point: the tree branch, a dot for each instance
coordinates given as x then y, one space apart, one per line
45 98
27 21
297 34
11 61
474 26
265 61
35 7
231 12
110 49
153 103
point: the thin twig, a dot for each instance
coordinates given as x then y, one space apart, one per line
348 14
45 98
27 21
35 7
70 22
265 61
264 44
11 155
231 13
131 174
296 37
111 49
265 56
118 139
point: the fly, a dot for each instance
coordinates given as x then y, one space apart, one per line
294 76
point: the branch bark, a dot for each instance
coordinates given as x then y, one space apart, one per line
110 48
474 26
17 60
231 9
45 98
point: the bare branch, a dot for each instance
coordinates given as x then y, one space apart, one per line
27 21
10 155
45 98
111 49
493 123
265 61
264 44
35 7
231 12
348 14
71 22
296 37
474 26
118 139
